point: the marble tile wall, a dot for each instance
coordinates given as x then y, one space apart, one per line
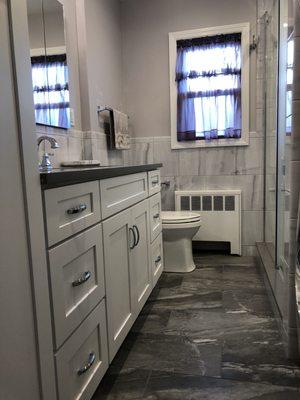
70 144
77 145
228 168
217 168
266 111
95 148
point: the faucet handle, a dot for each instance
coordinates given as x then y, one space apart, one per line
45 164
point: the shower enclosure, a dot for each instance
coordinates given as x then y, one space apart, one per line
275 59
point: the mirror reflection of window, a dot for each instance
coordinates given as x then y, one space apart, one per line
51 90
49 63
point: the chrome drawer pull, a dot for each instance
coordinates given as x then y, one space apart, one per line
76 210
155 216
83 370
85 277
158 259
155 182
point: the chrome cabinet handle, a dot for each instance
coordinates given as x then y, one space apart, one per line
137 234
155 216
134 238
155 182
85 277
158 259
91 360
76 210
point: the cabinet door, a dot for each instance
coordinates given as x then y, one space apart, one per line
118 278
139 255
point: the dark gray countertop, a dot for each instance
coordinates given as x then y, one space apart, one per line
69 176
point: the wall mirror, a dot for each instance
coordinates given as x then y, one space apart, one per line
48 54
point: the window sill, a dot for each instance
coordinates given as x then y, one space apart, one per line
206 143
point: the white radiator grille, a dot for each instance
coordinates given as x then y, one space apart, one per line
220 214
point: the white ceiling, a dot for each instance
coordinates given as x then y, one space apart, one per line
34 6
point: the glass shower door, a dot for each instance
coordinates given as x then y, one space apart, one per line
286 53
270 80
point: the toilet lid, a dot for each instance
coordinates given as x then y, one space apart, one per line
179 217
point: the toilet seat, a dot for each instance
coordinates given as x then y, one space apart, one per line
179 217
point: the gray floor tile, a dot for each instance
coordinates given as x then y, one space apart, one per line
253 301
169 353
182 387
129 386
207 335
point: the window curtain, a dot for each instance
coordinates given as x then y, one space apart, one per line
51 90
208 76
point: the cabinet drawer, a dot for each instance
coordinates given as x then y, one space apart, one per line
83 360
122 192
77 280
71 209
155 216
157 259
154 182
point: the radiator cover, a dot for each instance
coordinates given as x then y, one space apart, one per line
220 212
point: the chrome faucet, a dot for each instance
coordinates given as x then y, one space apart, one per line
45 164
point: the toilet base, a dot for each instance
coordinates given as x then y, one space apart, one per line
178 255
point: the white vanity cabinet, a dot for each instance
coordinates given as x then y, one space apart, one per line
139 254
104 257
77 280
71 209
127 270
82 361
118 278
156 259
155 216
121 192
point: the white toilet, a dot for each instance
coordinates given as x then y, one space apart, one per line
179 227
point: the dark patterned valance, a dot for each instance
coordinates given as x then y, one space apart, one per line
61 58
58 87
208 40
209 93
207 74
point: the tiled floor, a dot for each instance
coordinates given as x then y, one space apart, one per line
206 335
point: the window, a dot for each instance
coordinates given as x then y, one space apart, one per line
209 74
51 90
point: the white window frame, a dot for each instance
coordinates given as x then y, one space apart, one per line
244 29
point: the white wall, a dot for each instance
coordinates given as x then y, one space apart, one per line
18 354
54 26
99 39
145 28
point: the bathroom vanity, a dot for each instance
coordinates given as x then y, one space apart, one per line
104 248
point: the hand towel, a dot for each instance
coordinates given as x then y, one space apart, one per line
121 133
